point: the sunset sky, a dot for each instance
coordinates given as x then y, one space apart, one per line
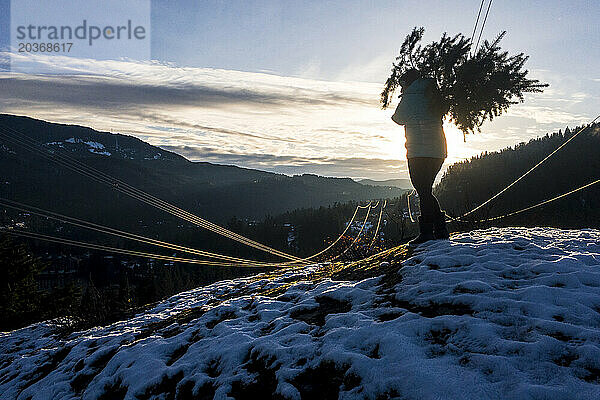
293 87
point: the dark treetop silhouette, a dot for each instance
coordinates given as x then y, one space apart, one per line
474 88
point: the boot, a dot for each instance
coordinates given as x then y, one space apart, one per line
439 227
426 233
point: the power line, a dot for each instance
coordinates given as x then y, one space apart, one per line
476 23
92 246
341 235
378 224
541 203
145 197
483 25
140 195
111 231
356 238
126 235
118 233
526 173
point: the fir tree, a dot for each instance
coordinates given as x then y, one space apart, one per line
19 299
474 88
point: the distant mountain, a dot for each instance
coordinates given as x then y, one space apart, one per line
397 183
216 192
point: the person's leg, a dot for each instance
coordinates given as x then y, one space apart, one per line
432 223
422 171
439 217
435 167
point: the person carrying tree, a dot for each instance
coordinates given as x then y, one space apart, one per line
421 112
449 78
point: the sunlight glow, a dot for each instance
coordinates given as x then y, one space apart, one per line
276 123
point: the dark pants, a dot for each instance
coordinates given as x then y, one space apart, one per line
423 171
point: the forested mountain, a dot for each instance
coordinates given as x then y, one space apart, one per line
207 188
471 182
238 198
216 192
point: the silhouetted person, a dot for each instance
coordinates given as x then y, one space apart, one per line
421 112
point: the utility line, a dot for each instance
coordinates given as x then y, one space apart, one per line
118 233
526 173
92 246
355 239
476 23
145 197
115 232
541 203
483 25
138 194
340 236
133 192
81 168
378 224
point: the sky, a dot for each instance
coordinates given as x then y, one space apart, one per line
293 87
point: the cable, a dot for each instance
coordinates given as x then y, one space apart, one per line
378 224
53 239
138 194
145 197
476 23
526 173
541 203
340 236
355 239
483 25
115 232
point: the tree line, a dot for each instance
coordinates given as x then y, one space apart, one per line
471 182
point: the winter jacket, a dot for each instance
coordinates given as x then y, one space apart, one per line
420 111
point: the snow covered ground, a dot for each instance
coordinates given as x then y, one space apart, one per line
507 313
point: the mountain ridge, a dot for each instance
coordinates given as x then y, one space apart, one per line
215 191
399 183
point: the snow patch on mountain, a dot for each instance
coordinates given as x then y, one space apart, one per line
93 147
6 149
509 313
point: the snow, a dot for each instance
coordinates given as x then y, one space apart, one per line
509 313
97 148
93 147
7 149
157 156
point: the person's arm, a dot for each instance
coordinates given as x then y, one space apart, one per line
399 116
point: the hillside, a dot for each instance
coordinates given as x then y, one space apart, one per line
216 192
508 313
469 183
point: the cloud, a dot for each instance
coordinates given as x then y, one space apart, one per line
172 121
546 114
282 124
356 167
375 70
102 92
